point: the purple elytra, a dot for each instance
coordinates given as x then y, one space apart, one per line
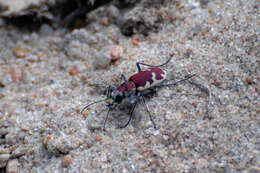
148 78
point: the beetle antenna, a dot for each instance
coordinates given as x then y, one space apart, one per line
92 104
175 83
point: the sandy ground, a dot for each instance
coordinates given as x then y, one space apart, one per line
47 76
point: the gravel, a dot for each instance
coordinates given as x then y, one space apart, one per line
48 75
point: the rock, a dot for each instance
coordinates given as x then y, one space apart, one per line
116 53
16 73
95 49
20 52
61 144
66 160
16 7
12 166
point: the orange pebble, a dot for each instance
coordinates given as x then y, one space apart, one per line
99 139
135 42
16 73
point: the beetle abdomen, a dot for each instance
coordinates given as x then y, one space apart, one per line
148 78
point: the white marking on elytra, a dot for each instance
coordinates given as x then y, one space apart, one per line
155 81
147 85
164 74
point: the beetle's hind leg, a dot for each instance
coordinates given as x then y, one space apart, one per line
149 65
149 92
147 110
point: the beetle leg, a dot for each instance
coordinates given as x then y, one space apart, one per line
123 76
147 110
149 91
104 128
140 63
138 66
131 115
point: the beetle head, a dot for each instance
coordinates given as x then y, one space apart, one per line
114 97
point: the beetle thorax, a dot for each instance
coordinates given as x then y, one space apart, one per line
126 87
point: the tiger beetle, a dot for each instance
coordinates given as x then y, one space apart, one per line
143 83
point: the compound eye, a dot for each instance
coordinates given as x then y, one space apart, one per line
112 87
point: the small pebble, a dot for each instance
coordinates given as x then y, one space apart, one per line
12 166
99 139
115 53
249 81
171 54
16 73
216 82
105 21
20 52
135 42
74 70
66 160
173 152
25 128
89 67
172 18
31 152
165 137
91 92
194 105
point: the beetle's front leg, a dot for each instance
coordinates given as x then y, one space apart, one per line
131 115
124 78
